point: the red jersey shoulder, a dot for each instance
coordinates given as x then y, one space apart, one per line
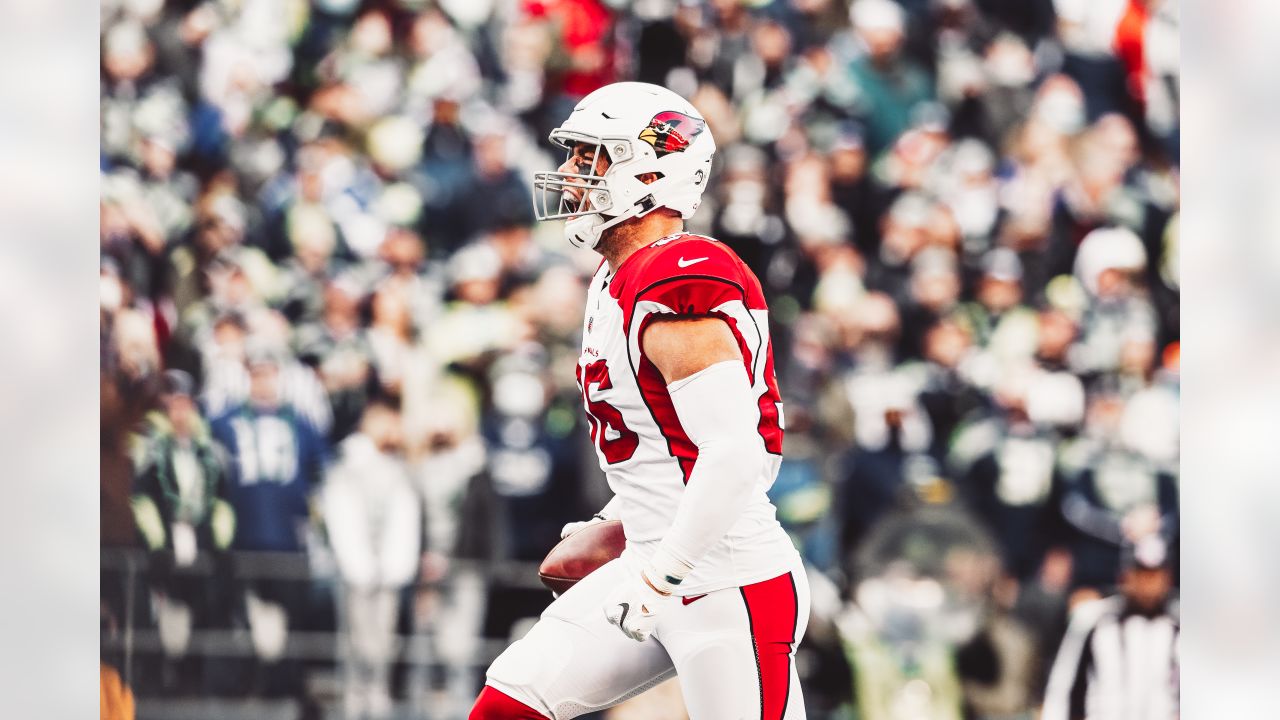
685 273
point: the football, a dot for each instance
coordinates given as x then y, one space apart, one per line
579 554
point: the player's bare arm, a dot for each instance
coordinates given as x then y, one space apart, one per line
682 346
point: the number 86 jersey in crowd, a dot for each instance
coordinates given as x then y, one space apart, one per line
643 451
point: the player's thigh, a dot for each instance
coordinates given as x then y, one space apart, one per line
717 670
734 650
573 661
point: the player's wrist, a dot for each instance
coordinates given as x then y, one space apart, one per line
665 571
656 583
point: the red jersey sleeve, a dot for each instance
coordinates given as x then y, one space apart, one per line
692 276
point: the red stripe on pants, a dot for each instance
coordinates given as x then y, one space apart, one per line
771 610
493 704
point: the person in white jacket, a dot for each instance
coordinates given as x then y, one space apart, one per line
373 516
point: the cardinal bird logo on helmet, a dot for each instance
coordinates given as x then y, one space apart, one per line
671 131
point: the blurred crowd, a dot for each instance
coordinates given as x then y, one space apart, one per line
330 328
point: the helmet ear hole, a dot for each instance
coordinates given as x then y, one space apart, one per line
648 178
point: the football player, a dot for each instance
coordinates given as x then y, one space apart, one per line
677 379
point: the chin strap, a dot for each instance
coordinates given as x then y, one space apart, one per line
586 231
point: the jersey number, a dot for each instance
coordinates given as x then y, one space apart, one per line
265 449
603 417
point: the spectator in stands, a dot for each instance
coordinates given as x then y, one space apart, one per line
1089 33
338 347
583 37
852 189
966 185
132 86
477 321
217 225
124 397
275 459
1010 485
522 260
934 294
405 264
1000 324
131 234
391 337
180 508
228 382
302 278
1109 265
1056 337
947 392
892 86
903 234
169 190
448 457
892 435
1149 424
497 193
1112 495
372 514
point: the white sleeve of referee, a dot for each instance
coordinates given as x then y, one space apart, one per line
718 412
1063 696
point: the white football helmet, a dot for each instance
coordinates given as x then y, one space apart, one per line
641 128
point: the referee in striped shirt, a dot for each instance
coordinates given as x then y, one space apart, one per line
1119 658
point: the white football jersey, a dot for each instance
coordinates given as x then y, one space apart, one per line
642 448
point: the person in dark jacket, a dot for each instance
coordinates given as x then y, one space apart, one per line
276 458
179 490
180 511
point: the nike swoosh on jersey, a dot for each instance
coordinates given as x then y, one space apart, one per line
686 263
688 599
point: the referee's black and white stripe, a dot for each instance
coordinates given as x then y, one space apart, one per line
1115 664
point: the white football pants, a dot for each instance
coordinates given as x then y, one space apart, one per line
732 649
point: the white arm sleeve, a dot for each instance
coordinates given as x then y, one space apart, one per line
718 411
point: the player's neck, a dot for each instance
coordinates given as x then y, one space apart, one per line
620 242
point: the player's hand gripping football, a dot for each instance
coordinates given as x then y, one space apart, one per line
634 605
573 527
